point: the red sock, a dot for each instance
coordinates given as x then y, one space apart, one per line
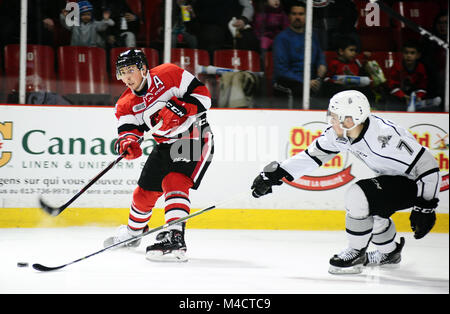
141 208
176 194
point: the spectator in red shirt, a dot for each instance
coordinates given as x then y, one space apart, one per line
407 77
346 72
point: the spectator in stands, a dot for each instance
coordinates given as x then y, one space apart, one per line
126 22
346 71
87 32
288 56
184 26
331 19
213 18
407 77
40 21
269 21
182 18
434 57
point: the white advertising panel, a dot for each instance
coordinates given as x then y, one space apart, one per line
54 151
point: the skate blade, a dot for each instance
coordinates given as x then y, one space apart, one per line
159 256
345 270
384 266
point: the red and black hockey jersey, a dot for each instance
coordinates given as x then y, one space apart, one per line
338 67
403 82
135 113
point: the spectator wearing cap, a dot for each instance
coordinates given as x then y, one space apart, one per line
86 33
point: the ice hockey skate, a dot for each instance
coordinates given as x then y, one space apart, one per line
349 261
123 233
170 248
376 258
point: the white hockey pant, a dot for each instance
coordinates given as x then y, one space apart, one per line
362 228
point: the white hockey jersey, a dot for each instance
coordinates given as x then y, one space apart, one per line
386 148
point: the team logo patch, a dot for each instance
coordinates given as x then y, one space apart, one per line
138 107
384 140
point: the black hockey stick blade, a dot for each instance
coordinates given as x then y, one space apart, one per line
41 267
53 211
44 268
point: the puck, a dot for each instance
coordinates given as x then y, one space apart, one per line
22 264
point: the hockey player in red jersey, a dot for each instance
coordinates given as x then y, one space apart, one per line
407 177
182 156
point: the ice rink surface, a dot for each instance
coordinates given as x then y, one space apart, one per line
220 262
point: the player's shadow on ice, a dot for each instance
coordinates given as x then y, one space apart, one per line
205 262
221 263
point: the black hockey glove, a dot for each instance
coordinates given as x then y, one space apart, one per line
423 217
271 175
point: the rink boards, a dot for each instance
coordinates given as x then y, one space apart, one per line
54 151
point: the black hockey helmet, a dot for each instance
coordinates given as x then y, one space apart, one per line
130 57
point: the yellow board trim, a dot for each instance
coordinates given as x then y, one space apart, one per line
269 219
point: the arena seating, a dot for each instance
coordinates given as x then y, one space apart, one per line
83 76
189 58
40 68
237 59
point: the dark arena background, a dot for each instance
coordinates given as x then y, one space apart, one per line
264 72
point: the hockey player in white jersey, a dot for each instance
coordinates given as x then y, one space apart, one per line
407 176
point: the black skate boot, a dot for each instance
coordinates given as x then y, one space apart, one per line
349 261
376 258
171 247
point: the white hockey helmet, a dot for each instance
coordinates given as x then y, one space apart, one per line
349 103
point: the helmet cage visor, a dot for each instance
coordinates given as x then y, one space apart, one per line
126 63
341 116
129 58
348 104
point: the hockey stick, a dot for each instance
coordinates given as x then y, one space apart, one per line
410 24
55 211
41 267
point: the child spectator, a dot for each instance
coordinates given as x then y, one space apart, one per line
407 77
86 33
270 21
346 71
